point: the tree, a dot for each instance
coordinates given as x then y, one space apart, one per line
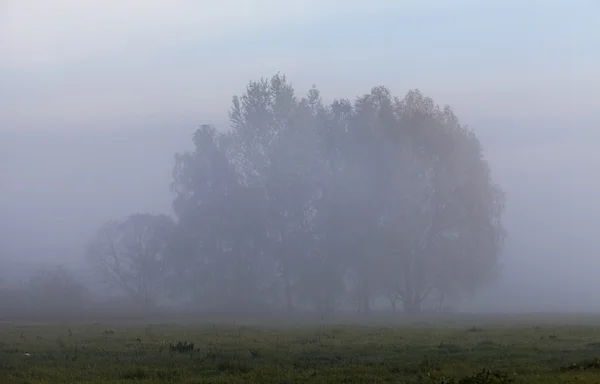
131 255
304 203
222 220
55 291
409 200
258 186
276 150
442 226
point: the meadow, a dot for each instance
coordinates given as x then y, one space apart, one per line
441 349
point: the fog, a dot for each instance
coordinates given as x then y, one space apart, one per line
96 100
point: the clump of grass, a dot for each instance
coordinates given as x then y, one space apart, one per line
582 365
487 345
181 347
135 374
450 347
254 352
474 329
485 376
231 367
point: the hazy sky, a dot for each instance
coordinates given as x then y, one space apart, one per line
97 93
86 62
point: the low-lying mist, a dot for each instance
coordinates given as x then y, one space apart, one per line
59 188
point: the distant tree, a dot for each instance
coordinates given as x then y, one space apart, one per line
131 255
275 149
305 203
409 201
440 219
221 221
13 299
56 291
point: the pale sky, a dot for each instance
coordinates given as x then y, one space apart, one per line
87 63
97 95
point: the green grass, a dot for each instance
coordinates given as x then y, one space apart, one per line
436 350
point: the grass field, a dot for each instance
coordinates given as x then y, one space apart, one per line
452 349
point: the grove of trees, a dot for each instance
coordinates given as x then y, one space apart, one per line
301 205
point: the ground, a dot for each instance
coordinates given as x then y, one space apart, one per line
450 349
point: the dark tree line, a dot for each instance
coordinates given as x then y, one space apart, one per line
302 205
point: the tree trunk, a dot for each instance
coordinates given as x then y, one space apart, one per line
393 303
412 306
288 295
364 290
366 303
441 303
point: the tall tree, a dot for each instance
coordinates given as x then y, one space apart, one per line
302 202
221 219
442 211
276 144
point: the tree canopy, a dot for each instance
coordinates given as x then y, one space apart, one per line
306 205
